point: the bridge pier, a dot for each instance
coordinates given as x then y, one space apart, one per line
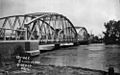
75 44
57 46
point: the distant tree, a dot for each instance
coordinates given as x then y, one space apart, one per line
95 39
112 33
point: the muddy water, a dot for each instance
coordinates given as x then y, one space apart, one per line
93 56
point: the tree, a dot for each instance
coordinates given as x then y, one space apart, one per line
112 33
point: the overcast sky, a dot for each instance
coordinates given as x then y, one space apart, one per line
87 13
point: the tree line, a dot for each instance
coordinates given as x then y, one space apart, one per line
112 33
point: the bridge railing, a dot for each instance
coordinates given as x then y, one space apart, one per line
10 34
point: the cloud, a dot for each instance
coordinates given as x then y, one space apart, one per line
11 7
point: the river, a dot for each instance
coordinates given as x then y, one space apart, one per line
92 56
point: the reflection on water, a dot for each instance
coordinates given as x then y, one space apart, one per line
93 56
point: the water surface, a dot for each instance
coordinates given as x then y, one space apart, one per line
93 56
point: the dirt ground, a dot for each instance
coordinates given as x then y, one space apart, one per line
53 70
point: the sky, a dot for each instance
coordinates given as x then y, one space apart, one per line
90 14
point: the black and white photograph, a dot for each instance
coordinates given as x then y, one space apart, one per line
59 37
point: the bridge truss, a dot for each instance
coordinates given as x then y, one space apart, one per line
45 27
82 33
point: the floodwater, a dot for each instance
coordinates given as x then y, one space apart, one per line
92 56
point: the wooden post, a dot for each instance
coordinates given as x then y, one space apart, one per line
110 71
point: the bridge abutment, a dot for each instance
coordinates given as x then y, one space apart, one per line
9 49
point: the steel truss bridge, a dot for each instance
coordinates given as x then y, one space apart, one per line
48 28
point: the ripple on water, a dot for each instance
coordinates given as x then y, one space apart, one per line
96 47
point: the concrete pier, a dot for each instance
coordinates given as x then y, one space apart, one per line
57 46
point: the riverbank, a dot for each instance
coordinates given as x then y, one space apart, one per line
54 70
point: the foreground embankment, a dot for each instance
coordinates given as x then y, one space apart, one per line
53 70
